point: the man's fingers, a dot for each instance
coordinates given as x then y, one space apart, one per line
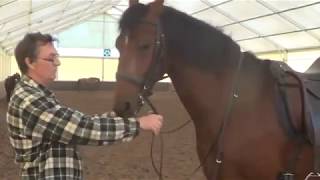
156 131
157 126
151 122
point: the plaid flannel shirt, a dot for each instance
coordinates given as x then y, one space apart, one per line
44 133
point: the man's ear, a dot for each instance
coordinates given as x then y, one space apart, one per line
29 63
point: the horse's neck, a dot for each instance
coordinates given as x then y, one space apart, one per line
203 94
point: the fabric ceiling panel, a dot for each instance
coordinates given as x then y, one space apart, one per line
65 24
11 41
75 8
41 3
271 25
115 11
3 37
40 13
7 12
213 17
242 10
19 33
84 7
296 40
5 2
55 9
308 17
49 20
123 3
238 32
16 24
316 32
284 5
258 45
126 2
89 12
216 2
121 8
191 7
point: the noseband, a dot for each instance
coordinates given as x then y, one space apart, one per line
155 71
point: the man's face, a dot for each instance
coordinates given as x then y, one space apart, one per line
44 68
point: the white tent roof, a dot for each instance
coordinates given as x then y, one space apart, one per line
257 25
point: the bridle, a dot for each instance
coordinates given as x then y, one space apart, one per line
145 84
155 72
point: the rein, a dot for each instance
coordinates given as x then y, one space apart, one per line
218 143
159 172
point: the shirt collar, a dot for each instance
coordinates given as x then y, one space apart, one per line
30 82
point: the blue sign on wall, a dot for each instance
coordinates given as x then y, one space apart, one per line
106 52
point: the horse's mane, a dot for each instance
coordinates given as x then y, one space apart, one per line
195 41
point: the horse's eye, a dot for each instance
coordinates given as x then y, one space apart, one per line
144 46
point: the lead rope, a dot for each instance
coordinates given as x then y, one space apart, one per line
159 171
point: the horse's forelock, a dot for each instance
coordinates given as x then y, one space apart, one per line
132 16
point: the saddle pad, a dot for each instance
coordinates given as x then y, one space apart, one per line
313 88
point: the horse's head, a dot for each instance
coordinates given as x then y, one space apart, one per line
141 47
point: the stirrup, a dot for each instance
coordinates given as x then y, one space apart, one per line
312 175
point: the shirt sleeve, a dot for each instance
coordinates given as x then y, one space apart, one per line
47 120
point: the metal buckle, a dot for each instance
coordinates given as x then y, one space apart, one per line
312 175
287 176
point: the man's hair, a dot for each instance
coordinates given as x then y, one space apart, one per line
28 48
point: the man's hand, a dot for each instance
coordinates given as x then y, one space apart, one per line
151 122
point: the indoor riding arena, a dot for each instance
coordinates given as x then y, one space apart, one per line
236 81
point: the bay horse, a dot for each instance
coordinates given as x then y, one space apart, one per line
231 96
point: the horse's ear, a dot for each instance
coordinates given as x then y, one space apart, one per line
133 2
156 8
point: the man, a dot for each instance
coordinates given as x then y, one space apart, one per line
45 133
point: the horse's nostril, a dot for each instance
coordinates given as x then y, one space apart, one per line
126 106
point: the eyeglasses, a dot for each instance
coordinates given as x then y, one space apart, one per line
52 60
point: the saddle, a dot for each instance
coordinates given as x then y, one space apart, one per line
309 85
